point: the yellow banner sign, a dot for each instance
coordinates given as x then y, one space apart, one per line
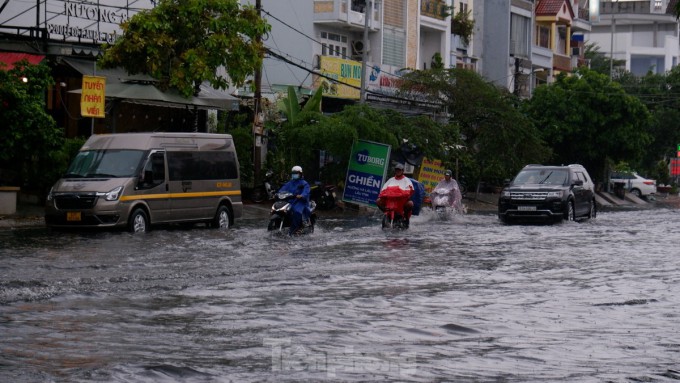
337 72
431 172
92 96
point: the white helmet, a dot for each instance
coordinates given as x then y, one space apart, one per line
296 169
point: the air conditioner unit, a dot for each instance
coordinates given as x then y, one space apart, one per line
358 48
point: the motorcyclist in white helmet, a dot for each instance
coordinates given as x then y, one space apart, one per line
300 207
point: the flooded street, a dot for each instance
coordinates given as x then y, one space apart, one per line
469 301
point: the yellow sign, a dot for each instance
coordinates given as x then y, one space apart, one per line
431 172
337 72
92 96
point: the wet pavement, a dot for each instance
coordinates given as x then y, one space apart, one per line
465 300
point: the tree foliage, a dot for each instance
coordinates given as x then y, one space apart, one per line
660 93
600 63
588 119
31 141
184 43
498 138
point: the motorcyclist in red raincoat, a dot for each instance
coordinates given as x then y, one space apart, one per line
397 186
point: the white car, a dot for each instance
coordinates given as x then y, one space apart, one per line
634 183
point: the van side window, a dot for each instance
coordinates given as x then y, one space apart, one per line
154 170
188 166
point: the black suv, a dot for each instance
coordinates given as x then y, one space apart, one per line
548 193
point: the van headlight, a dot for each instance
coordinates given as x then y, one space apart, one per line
112 195
555 194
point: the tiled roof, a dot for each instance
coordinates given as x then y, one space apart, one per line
552 7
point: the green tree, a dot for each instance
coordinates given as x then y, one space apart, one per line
600 63
462 25
184 43
499 139
31 154
660 93
588 119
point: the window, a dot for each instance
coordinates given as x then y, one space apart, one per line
519 35
463 7
543 36
333 44
394 47
154 171
188 166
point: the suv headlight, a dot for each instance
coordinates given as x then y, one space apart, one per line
505 193
112 195
555 194
49 195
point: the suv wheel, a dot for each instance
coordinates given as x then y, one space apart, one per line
571 213
593 210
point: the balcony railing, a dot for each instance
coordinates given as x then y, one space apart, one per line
637 7
561 62
436 9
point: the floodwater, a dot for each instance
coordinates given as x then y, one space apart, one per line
469 300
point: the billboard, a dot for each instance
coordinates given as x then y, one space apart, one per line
431 172
344 72
366 172
93 22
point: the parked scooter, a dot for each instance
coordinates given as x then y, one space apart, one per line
393 214
323 195
267 191
281 212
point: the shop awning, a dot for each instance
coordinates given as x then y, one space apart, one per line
10 58
140 89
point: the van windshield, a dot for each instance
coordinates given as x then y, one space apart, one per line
105 163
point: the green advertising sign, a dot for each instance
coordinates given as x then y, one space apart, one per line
366 172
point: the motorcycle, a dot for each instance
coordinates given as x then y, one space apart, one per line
393 213
281 214
323 195
441 203
267 191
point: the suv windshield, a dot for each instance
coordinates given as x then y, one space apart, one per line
541 177
105 163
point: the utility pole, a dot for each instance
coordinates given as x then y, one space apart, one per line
258 124
364 55
516 77
611 43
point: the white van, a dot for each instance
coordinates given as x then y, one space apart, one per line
134 180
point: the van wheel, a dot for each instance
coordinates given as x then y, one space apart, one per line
221 220
138 222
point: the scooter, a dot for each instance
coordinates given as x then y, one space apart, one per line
441 203
281 212
267 191
323 195
393 213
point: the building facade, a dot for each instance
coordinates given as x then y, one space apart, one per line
643 34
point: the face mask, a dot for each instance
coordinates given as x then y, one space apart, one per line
295 176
